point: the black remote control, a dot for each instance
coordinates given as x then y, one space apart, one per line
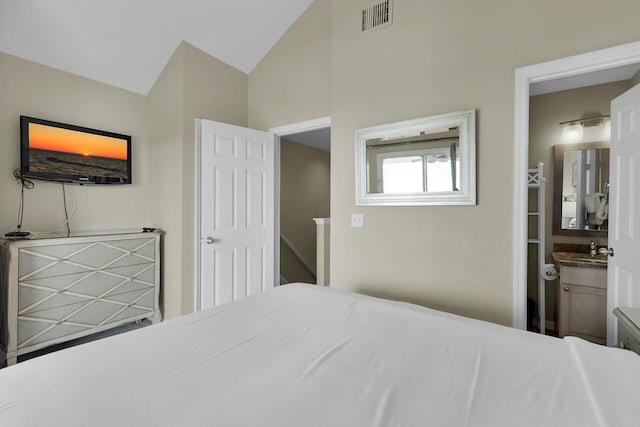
17 234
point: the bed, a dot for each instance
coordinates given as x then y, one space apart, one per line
302 355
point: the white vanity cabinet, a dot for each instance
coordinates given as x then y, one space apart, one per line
583 302
59 289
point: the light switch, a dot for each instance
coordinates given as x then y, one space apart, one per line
357 220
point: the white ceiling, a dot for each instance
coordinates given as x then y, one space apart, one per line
126 43
319 138
608 75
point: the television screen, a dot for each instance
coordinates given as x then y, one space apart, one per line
67 153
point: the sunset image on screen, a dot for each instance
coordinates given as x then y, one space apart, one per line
76 154
49 138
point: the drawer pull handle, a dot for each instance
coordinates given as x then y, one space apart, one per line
566 289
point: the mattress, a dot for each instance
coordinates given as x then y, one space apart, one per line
301 355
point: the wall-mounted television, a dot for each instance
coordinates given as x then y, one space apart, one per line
67 153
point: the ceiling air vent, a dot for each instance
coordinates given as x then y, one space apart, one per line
377 15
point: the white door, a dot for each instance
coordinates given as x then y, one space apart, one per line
623 276
236 212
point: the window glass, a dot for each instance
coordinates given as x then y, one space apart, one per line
439 173
403 175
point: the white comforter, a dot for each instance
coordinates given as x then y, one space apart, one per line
307 356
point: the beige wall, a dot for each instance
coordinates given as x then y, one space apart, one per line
192 85
28 88
545 114
162 126
164 104
304 195
291 268
292 83
216 91
437 57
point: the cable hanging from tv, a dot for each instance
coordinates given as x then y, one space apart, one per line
26 183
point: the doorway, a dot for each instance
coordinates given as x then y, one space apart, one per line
251 208
569 134
302 195
575 70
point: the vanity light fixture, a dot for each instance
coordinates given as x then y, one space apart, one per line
607 129
573 130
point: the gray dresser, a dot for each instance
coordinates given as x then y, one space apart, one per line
59 289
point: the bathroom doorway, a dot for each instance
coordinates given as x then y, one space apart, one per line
599 65
576 174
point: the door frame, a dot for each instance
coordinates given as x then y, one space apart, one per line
565 67
280 131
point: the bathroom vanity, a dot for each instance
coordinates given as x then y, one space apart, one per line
582 296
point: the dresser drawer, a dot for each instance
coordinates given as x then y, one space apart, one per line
50 292
64 259
44 323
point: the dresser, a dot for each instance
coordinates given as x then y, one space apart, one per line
58 289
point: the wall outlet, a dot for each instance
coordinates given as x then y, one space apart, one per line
357 220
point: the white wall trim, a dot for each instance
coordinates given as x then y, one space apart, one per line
290 129
322 221
198 233
525 76
299 255
306 126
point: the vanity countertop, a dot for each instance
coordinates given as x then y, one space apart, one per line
574 259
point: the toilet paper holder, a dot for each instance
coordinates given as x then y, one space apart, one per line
549 272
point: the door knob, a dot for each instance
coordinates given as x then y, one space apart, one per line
210 240
605 251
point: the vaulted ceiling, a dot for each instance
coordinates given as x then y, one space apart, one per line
126 43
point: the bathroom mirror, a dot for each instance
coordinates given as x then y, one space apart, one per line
427 161
581 189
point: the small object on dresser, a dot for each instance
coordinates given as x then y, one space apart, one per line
17 234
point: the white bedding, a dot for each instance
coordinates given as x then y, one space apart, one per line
301 356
